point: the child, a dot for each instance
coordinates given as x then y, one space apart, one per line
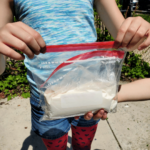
62 22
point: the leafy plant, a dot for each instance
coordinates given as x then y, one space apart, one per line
25 95
135 67
15 20
118 4
13 81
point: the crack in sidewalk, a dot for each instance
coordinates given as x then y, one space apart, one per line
114 135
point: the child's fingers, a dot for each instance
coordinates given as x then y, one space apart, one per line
12 41
76 118
7 51
35 34
88 116
99 114
22 37
146 43
122 32
27 38
138 36
104 116
131 31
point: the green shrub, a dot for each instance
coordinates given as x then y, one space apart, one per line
134 67
118 4
13 81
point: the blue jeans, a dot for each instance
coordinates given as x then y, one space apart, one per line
53 129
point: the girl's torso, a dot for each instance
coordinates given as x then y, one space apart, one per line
59 22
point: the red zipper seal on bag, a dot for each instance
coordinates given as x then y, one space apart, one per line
83 56
79 47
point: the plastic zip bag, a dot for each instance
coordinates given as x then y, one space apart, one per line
85 78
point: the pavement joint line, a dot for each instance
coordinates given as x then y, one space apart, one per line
114 135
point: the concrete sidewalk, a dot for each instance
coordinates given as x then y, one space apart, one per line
128 129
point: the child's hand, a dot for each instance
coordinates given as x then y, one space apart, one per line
21 37
131 32
101 114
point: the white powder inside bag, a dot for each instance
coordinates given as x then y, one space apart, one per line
87 97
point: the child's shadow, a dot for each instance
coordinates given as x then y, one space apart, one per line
37 143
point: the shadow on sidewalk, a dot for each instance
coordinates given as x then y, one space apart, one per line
36 142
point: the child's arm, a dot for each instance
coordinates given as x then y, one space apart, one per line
137 90
134 91
110 15
17 35
6 12
129 32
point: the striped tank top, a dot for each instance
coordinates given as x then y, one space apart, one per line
59 22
